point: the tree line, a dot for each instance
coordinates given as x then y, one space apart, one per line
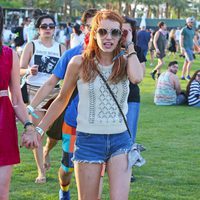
68 9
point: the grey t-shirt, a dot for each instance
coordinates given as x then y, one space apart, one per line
188 35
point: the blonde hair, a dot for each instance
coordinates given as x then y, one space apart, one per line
172 33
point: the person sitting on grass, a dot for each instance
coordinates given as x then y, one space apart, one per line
168 89
193 90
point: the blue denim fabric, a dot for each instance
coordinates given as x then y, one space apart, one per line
99 148
180 99
64 195
189 55
132 118
197 105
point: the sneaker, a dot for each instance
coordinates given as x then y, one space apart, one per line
188 77
64 195
152 75
182 78
133 179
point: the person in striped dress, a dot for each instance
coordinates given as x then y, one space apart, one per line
193 90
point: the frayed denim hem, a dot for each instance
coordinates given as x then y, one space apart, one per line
120 151
89 162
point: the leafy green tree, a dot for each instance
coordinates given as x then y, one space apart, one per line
11 3
152 6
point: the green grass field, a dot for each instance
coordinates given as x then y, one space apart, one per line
171 136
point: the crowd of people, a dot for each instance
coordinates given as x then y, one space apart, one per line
95 112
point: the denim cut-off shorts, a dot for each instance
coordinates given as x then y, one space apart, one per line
189 55
99 148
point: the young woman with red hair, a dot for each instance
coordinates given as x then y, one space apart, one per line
102 136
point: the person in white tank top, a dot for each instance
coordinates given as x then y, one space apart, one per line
102 137
77 37
37 61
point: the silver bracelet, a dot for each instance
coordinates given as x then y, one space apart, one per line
39 130
30 109
128 44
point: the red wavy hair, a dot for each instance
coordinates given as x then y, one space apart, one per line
89 68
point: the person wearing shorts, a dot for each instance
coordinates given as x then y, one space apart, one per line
187 42
38 60
102 135
68 128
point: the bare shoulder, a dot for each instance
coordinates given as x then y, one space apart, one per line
76 60
28 47
75 63
14 53
173 77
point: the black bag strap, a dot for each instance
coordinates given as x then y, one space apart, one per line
60 50
113 96
33 47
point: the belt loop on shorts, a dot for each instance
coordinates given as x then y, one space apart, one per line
3 93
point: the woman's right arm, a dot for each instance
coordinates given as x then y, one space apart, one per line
44 91
25 58
61 101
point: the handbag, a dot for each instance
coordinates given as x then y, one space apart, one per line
24 90
113 96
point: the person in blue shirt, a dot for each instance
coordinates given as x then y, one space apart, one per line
69 124
143 38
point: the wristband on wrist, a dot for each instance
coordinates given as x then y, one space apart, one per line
128 44
28 123
31 111
39 131
132 53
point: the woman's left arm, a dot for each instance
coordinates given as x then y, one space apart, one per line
18 104
15 90
134 68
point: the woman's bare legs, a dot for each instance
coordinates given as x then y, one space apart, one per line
118 173
119 177
38 153
50 143
5 177
87 180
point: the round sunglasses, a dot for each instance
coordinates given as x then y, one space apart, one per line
115 32
45 26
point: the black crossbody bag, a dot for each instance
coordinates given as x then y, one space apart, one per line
113 96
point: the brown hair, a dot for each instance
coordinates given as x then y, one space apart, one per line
88 14
189 83
160 24
89 67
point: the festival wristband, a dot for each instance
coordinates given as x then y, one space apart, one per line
132 53
31 111
39 131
